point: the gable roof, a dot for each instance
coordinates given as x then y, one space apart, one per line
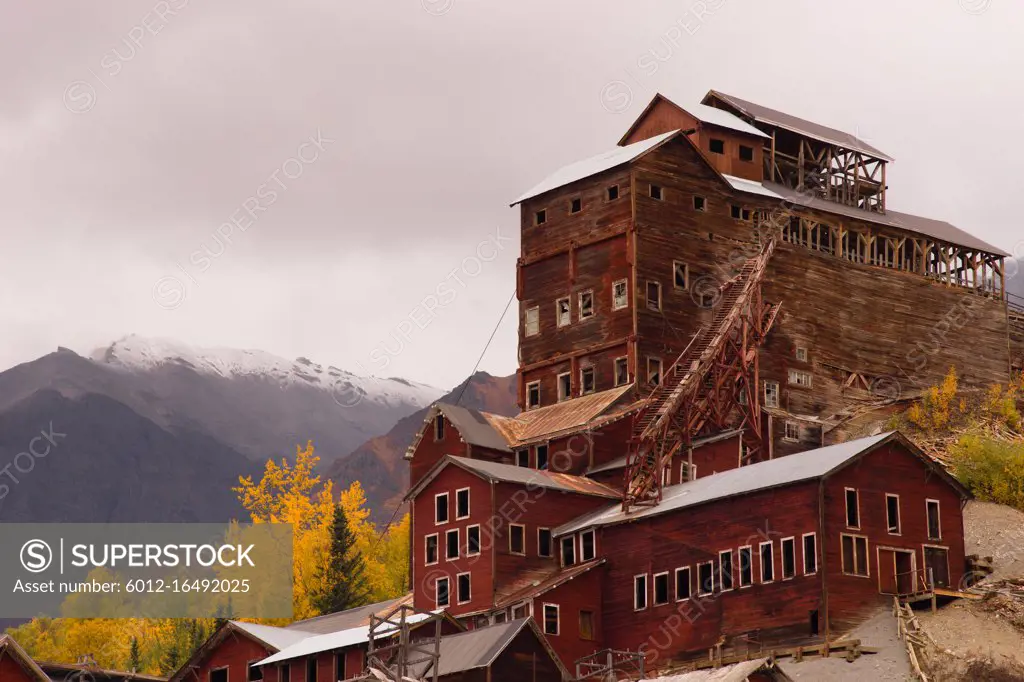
801 126
595 164
774 473
507 473
272 638
533 586
9 647
475 427
738 672
350 618
701 112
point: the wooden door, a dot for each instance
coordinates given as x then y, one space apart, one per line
905 572
887 571
936 561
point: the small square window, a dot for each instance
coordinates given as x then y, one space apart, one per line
654 371
613 193
621 371
746 153
717 146
654 295
540 217
680 275
541 452
551 619
587 381
620 294
792 432
465 588
699 203
586 304
736 211
564 386
544 542
563 315
656 192
532 394
576 205
532 323
516 539
801 354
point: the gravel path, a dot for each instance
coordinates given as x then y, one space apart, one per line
891 663
966 630
997 531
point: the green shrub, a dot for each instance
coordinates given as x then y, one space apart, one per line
992 469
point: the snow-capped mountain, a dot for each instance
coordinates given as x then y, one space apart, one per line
141 354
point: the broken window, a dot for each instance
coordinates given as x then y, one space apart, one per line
613 193
656 192
620 295
563 313
716 146
654 371
544 542
587 380
621 371
430 548
564 386
798 378
472 540
587 625
771 394
532 324
576 205
586 304
705 578
746 153
540 217
440 508
654 295
746 556
532 394
699 203
680 275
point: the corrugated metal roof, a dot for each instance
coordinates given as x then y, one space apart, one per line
279 638
721 117
474 426
535 585
547 421
904 221
594 165
473 649
738 672
535 478
799 125
343 620
803 466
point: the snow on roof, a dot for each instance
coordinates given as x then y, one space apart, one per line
279 638
738 672
721 117
802 466
751 186
594 165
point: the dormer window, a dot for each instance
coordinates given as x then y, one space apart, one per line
576 205
717 146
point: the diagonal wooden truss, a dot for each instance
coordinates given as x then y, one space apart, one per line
712 385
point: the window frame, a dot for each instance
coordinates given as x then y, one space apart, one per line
448 534
782 552
656 192
608 192
938 518
540 217
647 295
583 380
511 533
439 427
447 511
560 320
798 377
544 619
593 304
654 589
638 579
623 302
535 311
551 539
853 545
790 424
740 154
593 546
771 561
703 203
735 211
521 452
803 552
426 549
899 520
721 571
225 668
774 402
249 667
312 664
560 383
590 614
711 579
686 275
479 540
570 542
469 508
575 205
661 369
537 458
533 384
713 142
689 582
750 565
856 499
625 365
458 587
437 591
801 354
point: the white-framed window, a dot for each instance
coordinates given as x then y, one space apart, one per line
934 518
653 295
771 394
544 542
523 458
746 572
586 304
461 504
892 513
621 371
653 371
551 619
705 578
451 544
680 275
799 378
810 553
640 592
660 596
430 553
792 432
517 539
472 540
854 549
684 588
464 588
532 321
788 547
442 597
852 508
440 509
541 456
568 550
588 384
766 550
588 545
439 427
801 354
620 294
564 386
725 570
563 312
532 394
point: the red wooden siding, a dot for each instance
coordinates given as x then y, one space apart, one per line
11 670
582 593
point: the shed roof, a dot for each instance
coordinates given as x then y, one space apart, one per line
738 672
350 618
803 466
534 585
276 638
566 416
594 165
804 127
480 648
620 462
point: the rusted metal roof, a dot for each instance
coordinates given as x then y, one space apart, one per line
566 416
535 583
801 126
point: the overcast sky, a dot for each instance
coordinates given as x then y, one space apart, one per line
360 156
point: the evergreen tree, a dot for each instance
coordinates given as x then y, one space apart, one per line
345 584
134 657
